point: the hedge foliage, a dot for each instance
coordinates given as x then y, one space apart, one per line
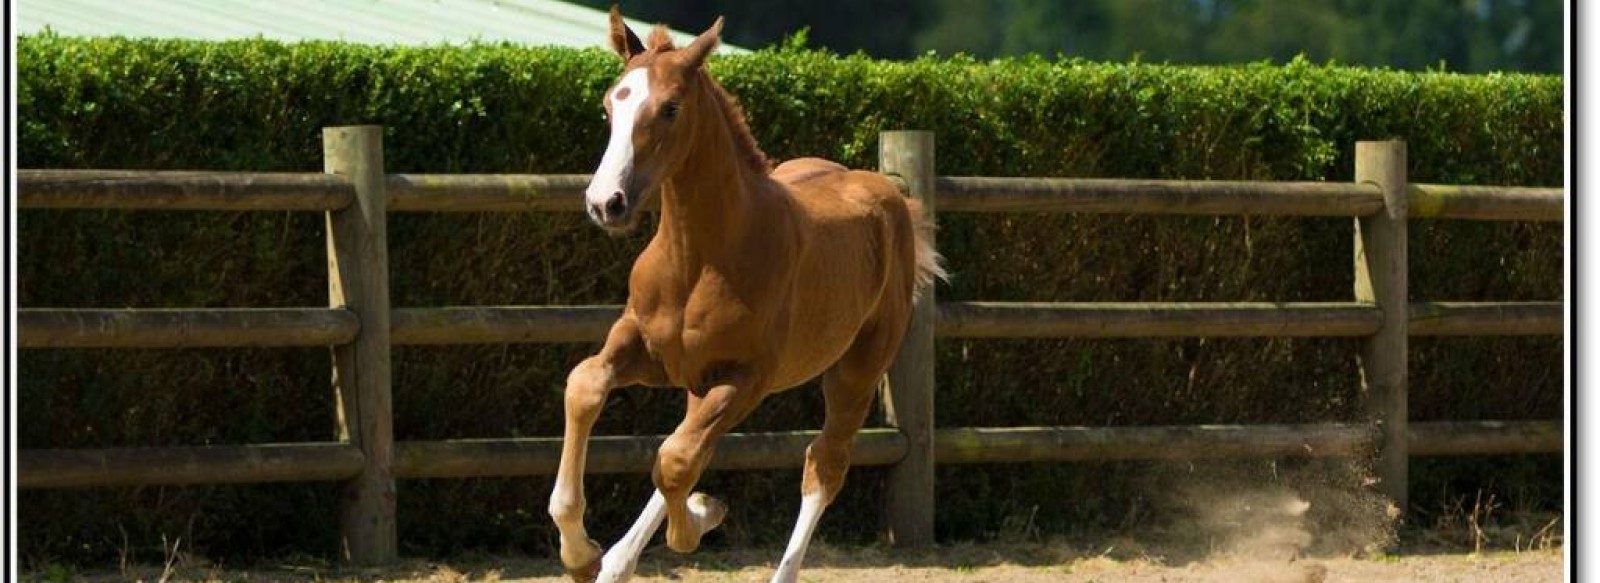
259 105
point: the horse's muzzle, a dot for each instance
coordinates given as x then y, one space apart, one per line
615 207
616 214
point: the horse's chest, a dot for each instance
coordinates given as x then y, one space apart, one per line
711 329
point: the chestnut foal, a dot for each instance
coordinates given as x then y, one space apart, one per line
757 280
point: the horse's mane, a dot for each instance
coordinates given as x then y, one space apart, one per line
744 143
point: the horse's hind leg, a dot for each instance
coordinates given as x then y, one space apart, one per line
827 461
623 361
848 389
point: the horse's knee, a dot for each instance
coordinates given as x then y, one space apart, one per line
676 464
587 386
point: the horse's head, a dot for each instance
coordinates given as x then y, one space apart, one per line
650 108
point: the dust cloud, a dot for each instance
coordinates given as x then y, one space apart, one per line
1269 522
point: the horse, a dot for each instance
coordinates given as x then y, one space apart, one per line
757 280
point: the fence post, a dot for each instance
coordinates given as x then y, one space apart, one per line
908 396
1380 278
358 280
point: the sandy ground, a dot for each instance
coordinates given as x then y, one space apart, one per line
962 563
1219 532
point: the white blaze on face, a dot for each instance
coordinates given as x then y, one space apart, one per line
616 167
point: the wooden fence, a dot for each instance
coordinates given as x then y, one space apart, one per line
356 195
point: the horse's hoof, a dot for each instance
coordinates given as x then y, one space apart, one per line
705 514
708 512
587 574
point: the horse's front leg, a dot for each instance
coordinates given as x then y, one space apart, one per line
679 464
685 454
623 361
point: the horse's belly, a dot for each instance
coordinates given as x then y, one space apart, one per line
819 334
836 297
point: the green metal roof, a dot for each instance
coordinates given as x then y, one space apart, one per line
402 22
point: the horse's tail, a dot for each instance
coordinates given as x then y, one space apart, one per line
930 265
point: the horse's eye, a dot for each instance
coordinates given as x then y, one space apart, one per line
670 110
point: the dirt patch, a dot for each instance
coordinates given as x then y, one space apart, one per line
959 563
1312 523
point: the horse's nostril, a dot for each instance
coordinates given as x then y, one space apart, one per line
616 206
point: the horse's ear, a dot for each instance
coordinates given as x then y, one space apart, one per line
623 41
704 44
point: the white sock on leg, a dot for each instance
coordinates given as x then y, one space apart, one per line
618 563
811 508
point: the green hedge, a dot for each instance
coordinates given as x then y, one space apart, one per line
259 105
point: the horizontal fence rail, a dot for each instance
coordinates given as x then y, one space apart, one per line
179 328
182 190
973 445
1445 438
1182 197
1485 318
216 464
1485 203
1144 320
486 324
486 192
184 328
540 456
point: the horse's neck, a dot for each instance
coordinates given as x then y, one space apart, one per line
713 201
704 210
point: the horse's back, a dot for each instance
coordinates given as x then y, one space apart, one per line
828 189
799 170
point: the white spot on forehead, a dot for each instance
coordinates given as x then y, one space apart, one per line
636 82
